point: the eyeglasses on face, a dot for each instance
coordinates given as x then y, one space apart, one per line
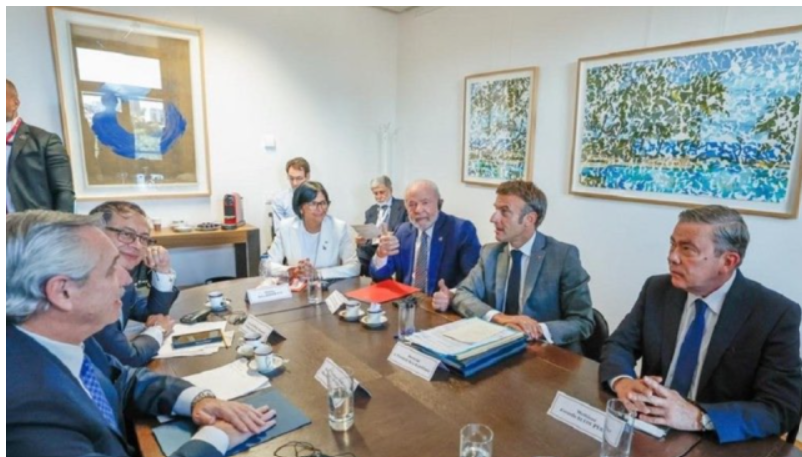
129 236
319 205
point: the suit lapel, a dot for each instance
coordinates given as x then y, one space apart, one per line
396 212
295 246
22 137
408 238
672 315
533 270
502 267
735 311
436 251
373 214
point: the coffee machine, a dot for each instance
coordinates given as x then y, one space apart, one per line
232 212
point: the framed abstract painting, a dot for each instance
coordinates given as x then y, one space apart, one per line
132 104
499 126
706 122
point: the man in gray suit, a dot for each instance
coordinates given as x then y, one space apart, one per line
64 281
39 175
527 280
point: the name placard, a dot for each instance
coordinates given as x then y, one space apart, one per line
254 324
335 301
269 293
578 415
416 362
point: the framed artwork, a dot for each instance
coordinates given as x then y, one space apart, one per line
705 122
499 126
132 105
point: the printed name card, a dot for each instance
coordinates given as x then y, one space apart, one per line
578 415
269 293
329 364
335 301
416 362
254 324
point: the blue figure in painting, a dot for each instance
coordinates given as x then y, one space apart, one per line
109 132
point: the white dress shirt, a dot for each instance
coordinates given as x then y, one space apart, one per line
526 250
163 282
72 357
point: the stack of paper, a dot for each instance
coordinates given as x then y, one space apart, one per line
167 350
470 345
230 381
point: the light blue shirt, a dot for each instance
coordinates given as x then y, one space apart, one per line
282 206
72 357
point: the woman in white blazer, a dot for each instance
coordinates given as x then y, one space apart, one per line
315 238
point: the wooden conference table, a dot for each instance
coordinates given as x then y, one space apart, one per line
409 416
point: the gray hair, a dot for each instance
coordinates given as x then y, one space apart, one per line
381 181
39 246
425 183
729 229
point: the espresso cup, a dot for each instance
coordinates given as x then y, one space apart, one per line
252 340
263 354
375 317
216 301
352 309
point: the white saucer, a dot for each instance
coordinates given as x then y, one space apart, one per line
226 305
382 323
245 351
344 317
278 364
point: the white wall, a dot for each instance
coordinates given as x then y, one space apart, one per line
321 79
621 243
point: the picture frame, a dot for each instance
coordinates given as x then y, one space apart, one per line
133 105
705 122
499 126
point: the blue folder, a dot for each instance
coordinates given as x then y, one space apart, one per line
473 365
173 435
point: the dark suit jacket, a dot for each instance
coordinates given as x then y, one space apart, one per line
751 383
141 350
49 414
398 215
39 175
555 290
454 251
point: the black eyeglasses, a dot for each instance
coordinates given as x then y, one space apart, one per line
319 205
129 236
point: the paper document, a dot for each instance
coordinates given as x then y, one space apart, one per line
230 381
368 231
438 340
474 331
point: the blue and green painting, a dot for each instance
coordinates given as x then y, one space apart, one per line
720 124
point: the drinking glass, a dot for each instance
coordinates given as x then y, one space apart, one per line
341 398
619 427
476 440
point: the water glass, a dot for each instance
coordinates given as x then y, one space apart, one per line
476 440
406 319
341 398
314 289
619 427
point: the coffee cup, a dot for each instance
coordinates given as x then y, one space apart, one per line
216 301
352 309
263 354
375 317
252 340
157 224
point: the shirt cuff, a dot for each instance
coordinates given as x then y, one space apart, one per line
163 282
213 436
490 315
544 329
183 406
616 379
155 332
379 262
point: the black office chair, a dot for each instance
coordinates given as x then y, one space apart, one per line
592 347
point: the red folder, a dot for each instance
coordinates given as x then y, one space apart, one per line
382 292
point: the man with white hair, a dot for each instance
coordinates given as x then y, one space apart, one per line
64 282
387 212
433 246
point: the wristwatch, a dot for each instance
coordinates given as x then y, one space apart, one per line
201 396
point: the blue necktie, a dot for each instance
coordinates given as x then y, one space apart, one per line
689 351
92 385
513 307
